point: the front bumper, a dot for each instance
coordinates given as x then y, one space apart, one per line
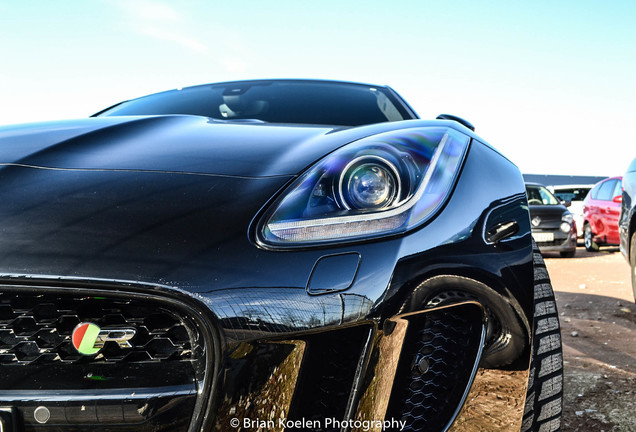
563 242
280 367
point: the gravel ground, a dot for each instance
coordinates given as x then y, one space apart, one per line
598 324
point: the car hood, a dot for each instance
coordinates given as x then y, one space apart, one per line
175 143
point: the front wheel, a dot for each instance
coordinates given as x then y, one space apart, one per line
544 398
588 239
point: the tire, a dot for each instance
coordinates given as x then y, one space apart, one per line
632 262
588 239
568 254
544 397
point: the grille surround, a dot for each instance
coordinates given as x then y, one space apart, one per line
207 372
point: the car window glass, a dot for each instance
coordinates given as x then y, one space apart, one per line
538 195
572 194
618 190
580 194
605 191
564 196
547 197
276 102
594 191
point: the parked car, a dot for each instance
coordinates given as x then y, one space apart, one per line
601 211
553 228
627 225
271 255
574 195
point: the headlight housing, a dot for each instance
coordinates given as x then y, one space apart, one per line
380 185
567 217
566 224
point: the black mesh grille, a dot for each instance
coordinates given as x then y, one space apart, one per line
327 376
435 367
37 328
153 385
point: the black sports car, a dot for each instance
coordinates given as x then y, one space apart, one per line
627 221
553 227
270 255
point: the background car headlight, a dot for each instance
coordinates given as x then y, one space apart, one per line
566 224
381 185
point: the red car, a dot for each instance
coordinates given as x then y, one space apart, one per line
601 211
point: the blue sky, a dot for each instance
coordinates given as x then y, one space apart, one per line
551 84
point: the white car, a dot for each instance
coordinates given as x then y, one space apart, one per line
574 194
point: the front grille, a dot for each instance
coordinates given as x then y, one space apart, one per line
158 383
436 366
37 328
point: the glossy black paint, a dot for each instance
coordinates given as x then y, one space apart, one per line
165 206
180 144
333 273
459 120
627 221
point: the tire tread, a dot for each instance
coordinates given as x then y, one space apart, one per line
544 397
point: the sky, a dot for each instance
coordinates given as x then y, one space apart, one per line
550 84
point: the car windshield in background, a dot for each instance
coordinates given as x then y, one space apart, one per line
307 102
539 195
572 194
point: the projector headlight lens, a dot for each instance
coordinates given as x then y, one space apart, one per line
369 183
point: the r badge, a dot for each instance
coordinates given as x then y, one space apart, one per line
536 221
88 338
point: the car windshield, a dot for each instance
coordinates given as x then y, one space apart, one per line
539 195
572 194
307 102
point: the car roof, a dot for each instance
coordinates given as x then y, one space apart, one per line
572 186
610 178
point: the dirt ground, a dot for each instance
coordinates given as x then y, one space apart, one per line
598 324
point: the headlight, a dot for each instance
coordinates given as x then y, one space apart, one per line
566 225
369 182
375 186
